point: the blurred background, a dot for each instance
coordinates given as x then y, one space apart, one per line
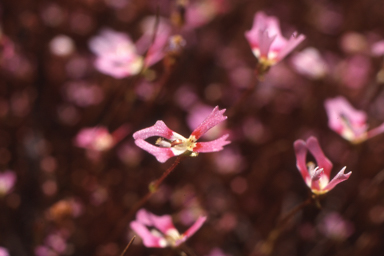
70 171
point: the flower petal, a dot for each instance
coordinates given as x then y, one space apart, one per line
159 129
340 177
301 154
192 230
149 239
322 161
211 146
213 119
290 45
161 154
162 223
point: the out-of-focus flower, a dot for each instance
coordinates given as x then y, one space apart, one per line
335 227
99 138
316 177
83 94
350 123
119 57
62 45
173 144
355 71
377 48
162 233
310 63
7 181
3 251
266 41
217 252
202 12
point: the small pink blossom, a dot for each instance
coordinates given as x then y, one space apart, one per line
162 233
334 226
99 139
377 48
3 251
316 177
119 57
173 144
309 63
350 123
266 41
7 181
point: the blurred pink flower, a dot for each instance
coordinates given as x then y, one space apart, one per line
99 138
266 41
350 123
119 57
83 94
3 251
335 227
7 181
377 48
316 177
199 13
173 144
309 63
163 233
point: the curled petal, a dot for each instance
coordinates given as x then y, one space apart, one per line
159 129
162 223
337 179
161 154
301 154
321 159
291 44
213 119
192 230
211 146
149 239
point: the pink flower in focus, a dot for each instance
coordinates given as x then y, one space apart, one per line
162 233
119 57
350 123
316 177
99 138
7 181
173 144
266 41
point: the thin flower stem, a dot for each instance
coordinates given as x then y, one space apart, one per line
153 187
244 96
266 247
128 245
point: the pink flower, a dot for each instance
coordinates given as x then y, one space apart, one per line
162 233
310 63
316 177
99 138
119 57
173 144
350 123
3 251
266 41
377 48
7 181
